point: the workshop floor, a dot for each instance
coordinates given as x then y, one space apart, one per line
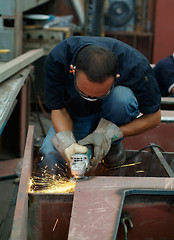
39 128
9 186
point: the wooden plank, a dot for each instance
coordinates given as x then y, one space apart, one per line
10 68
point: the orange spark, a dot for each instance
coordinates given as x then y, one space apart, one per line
55 224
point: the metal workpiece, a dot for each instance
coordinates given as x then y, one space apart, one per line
98 204
127 201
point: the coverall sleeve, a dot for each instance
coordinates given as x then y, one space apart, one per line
54 74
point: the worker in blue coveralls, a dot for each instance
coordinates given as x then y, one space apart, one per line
164 73
99 91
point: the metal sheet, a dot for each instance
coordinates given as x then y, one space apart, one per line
8 93
98 203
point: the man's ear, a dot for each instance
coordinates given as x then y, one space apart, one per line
117 75
73 68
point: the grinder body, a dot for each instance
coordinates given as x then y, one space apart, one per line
80 163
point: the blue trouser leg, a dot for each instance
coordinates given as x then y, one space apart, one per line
51 158
119 107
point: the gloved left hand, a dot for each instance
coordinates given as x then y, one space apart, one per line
66 144
105 133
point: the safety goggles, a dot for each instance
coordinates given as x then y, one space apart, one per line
89 98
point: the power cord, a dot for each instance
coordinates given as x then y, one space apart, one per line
149 146
135 154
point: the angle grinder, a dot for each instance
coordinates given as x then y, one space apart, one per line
80 163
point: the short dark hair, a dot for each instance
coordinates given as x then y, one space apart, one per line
98 63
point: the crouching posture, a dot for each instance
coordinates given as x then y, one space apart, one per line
96 87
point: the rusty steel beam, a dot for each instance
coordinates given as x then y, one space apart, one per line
24 111
98 203
19 228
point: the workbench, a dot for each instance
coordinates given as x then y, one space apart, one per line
15 78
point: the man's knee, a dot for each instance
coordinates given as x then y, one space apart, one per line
121 106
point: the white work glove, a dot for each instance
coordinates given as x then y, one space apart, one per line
66 144
105 133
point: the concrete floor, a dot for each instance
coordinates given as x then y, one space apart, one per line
9 186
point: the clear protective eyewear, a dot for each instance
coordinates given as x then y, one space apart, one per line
89 98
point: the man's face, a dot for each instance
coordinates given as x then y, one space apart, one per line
93 89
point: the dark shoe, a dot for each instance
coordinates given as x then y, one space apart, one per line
116 156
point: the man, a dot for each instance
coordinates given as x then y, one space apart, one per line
164 73
96 87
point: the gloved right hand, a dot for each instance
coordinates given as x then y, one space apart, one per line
66 144
105 133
